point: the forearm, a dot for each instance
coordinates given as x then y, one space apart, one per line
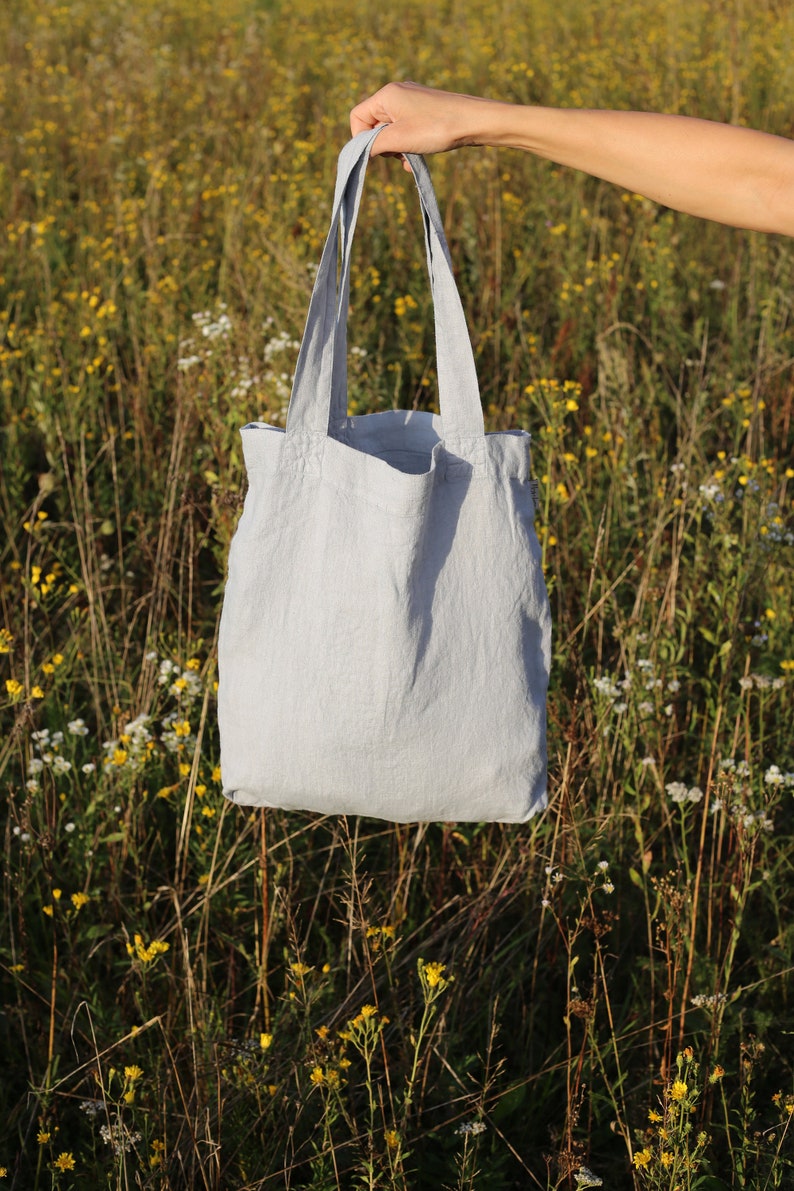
716 171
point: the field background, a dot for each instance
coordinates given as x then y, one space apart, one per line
197 997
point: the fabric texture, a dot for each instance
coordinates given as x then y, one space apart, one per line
385 637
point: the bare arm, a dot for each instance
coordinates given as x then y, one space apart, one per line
716 171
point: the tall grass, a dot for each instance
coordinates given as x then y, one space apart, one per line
198 996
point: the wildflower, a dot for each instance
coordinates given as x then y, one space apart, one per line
642 1158
666 1158
433 974
77 727
677 791
654 1117
13 687
368 1011
717 1073
317 1076
64 1162
139 950
392 1138
299 969
679 1090
132 1073
6 639
584 1177
265 1041
470 1128
43 1136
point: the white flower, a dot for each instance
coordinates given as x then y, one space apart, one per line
648 761
32 786
61 765
69 828
603 865
677 791
89 767
77 727
695 794
584 1177
35 765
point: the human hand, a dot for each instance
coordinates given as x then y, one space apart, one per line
420 119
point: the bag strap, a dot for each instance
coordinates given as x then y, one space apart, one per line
319 395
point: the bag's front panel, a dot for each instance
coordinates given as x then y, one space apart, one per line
399 659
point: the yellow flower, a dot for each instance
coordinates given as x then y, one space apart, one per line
57 894
322 1033
433 974
265 1041
717 1073
392 1138
43 1136
14 687
119 756
368 1011
48 910
317 1077
216 773
64 1162
193 664
299 969
642 1158
37 693
57 659
132 1073
5 640
679 1090
139 950
666 1158
79 900
654 1117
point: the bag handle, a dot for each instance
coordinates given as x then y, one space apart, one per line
319 395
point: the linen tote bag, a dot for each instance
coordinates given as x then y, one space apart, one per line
385 637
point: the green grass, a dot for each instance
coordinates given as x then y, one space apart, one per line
211 987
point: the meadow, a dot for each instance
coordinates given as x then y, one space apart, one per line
197 996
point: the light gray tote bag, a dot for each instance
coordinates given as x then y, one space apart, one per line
385 636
